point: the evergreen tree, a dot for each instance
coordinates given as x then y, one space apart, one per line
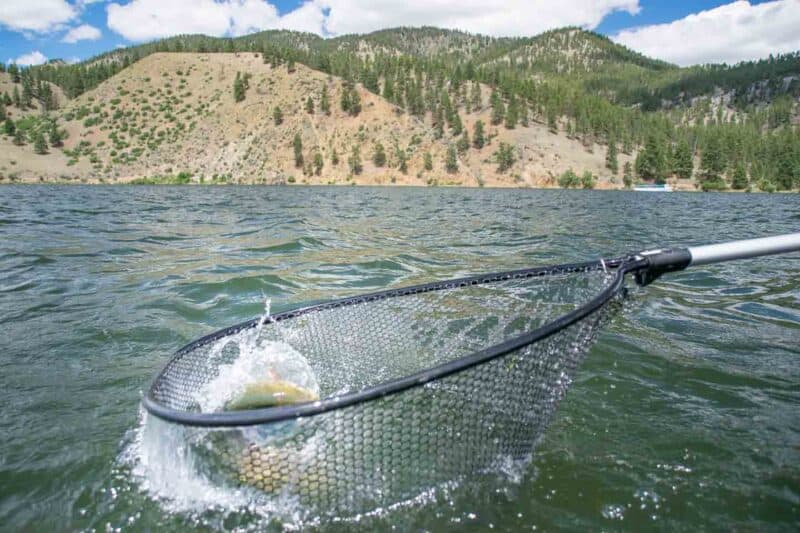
402 161
427 161
552 123
478 140
325 101
354 161
504 157
9 128
611 157
19 139
682 164
512 114
290 66
309 106
475 97
451 160
318 163
438 123
277 116
334 157
456 127
627 175
498 108
651 163
463 143
238 88
587 180
379 155
712 162
355 102
56 136
739 180
17 99
298 151
3 114
39 143
344 101
6 99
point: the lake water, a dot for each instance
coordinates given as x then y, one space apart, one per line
685 415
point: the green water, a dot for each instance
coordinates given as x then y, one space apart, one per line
685 416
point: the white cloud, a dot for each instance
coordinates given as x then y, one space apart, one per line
84 32
35 15
500 17
141 20
33 58
730 33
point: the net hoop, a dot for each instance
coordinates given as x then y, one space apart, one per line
620 266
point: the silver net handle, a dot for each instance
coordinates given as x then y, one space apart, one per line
729 251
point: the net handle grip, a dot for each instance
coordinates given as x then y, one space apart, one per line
662 261
730 251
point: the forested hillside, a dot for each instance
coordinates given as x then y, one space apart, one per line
710 127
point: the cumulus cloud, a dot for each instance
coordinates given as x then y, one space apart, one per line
35 15
84 32
730 33
141 20
33 58
499 17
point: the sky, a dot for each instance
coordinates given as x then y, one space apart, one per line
685 32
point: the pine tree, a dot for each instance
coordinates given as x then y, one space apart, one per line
310 106
56 136
379 155
354 161
344 101
438 123
7 99
651 163
290 66
9 128
611 156
712 161
451 160
427 161
498 108
627 175
19 139
504 157
298 151
318 163
463 143
739 180
456 127
552 123
277 116
475 97
3 114
17 99
39 143
512 114
355 102
238 88
325 101
682 164
478 140
402 161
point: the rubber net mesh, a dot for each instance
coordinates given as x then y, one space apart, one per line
379 452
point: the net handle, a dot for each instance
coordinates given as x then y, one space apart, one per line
667 260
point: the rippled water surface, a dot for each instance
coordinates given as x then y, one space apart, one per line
686 414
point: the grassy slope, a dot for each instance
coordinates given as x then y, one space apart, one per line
204 132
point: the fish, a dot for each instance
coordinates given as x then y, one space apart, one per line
270 393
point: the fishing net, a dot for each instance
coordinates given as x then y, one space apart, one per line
420 386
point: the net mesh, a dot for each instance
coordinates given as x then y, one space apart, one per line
378 452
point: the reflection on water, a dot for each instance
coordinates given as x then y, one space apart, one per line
685 414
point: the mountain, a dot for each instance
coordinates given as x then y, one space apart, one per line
567 99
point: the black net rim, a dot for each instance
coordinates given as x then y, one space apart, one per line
621 267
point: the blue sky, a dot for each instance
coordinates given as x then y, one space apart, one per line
684 32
